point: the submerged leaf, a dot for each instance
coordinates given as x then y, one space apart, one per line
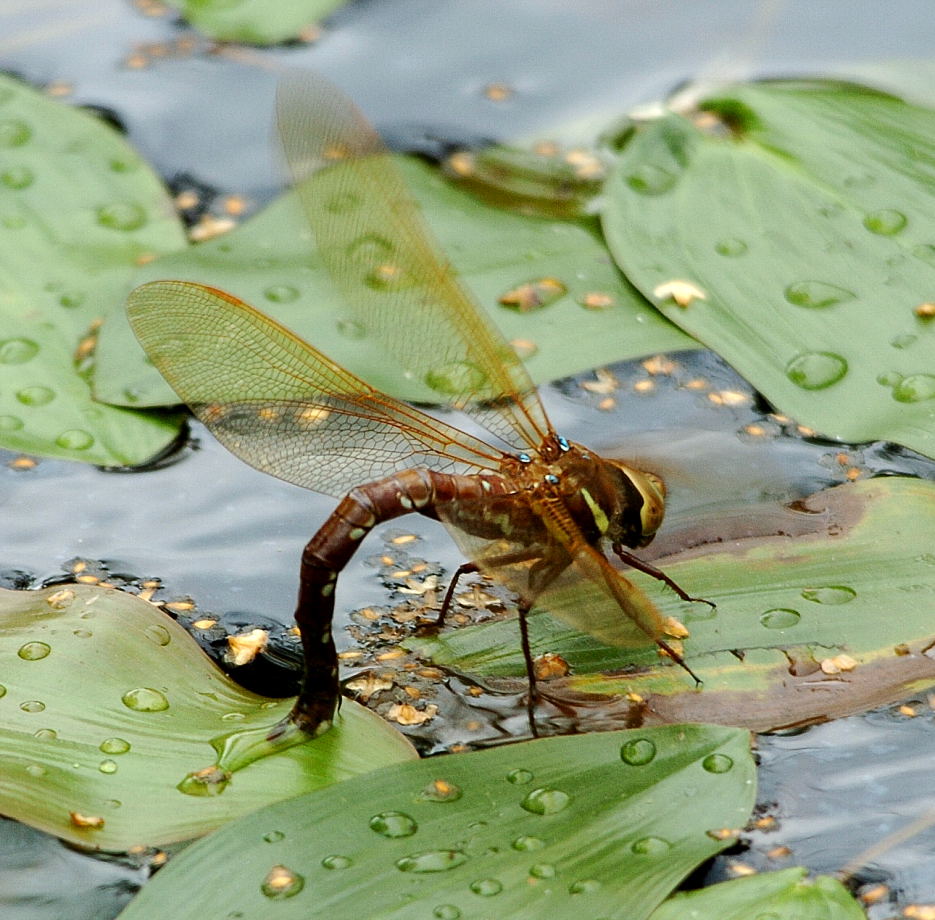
805 219
78 210
258 22
270 263
847 586
598 826
106 704
785 895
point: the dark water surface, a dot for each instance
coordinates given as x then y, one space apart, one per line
214 529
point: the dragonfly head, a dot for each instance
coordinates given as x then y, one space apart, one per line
642 490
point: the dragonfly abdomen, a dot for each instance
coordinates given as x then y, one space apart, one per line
329 551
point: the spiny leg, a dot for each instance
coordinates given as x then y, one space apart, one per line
532 696
647 568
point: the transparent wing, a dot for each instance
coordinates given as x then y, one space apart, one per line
384 260
279 404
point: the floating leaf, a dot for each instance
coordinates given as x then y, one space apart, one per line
785 895
571 827
257 22
78 209
856 586
807 223
107 704
269 262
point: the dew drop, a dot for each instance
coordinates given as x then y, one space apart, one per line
351 329
2 691
915 388
71 299
440 790
281 293
82 633
924 251
651 846
815 370
273 836
830 594
456 379
903 341
886 222
233 717
446 912
533 295
717 763
122 215
206 782
34 651
32 706
10 423
432 861
638 752
17 177
35 769
14 132
519 776
114 746
730 247
336 861
817 294
780 618
45 734
107 766
393 824
584 886
158 634
486 887
75 439
281 882
145 699
525 843
17 351
542 870
649 179
889 378
35 396
545 801
386 277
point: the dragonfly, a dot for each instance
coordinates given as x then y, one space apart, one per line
529 508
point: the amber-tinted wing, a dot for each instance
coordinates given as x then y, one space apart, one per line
384 260
279 404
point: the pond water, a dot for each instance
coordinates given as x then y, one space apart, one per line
216 531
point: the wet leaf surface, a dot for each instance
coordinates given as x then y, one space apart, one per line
107 704
828 622
567 825
78 209
270 263
797 242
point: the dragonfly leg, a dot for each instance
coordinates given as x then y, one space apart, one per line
636 563
532 697
469 568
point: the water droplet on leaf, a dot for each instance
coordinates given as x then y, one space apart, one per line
885 222
432 861
336 861
817 294
10 423
525 842
145 699
730 247
519 776
393 824
456 379
75 439
584 886
107 766
158 634
122 215
17 351
440 790
32 706
651 846
114 746
638 752
486 887
830 594
273 836
649 179
815 370
915 388
34 651
446 912
35 396
17 177
281 293
542 870
14 132
281 882
545 801
780 618
717 763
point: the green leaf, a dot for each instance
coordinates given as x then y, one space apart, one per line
785 895
257 22
269 262
850 583
107 704
78 209
602 825
809 230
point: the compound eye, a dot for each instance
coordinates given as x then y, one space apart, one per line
653 490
